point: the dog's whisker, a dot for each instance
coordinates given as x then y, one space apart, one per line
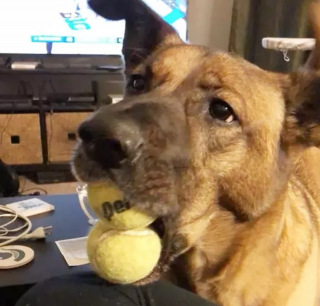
137 157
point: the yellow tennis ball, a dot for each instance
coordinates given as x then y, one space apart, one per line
107 201
123 257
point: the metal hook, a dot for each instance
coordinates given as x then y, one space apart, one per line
285 56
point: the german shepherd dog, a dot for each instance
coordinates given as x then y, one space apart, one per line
223 153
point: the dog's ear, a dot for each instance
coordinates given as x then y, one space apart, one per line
302 120
313 62
302 94
145 30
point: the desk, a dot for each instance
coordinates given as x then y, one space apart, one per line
68 221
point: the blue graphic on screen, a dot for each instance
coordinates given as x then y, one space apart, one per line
71 27
172 17
173 12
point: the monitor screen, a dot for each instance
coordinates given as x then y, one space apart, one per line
70 27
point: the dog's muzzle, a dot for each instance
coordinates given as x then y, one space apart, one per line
142 146
122 131
108 140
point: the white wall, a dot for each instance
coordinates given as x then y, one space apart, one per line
209 23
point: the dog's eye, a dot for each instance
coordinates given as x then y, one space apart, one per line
137 83
221 110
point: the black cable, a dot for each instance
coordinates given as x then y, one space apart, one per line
7 61
24 89
43 87
51 129
51 123
22 85
8 122
52 86
25 86
43 128
5 127
51 132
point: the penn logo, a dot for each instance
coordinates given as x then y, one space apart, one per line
117 207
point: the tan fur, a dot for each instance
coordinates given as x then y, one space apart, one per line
247 229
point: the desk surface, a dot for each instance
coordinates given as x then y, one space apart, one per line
68 221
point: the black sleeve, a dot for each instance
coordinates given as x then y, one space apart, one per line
90 290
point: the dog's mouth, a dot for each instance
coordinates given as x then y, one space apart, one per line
147 185
159 226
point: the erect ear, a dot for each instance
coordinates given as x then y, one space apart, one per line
302 94
313 62
302 120
145 30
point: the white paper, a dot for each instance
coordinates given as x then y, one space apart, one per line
74 251
31 207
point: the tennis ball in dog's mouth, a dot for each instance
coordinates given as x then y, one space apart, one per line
121 248
123 257
108 202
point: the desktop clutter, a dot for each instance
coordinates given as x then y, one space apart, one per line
121 247
14 256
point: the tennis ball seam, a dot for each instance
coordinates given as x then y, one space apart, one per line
135 232
141 233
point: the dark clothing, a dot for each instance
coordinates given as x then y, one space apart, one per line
90 290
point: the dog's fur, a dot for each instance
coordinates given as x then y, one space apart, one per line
240 200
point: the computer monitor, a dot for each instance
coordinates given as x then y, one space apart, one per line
70 27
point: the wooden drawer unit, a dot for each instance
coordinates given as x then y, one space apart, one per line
62 134
20 139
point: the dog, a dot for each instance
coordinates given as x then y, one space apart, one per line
224 154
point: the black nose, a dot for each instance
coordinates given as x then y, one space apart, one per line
105 150
86 134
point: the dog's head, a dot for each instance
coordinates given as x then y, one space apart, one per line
198 132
